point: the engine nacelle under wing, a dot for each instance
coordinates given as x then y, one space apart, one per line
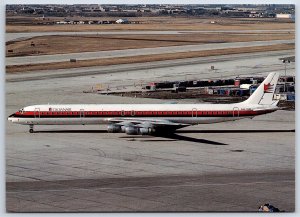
132 130
112 128
146 131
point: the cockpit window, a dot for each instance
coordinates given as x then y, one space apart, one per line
21 111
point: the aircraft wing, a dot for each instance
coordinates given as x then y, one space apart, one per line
146 123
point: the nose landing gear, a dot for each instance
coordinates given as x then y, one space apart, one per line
31 128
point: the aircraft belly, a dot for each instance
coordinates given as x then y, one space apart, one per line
95 121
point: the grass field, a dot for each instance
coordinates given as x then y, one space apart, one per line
144 58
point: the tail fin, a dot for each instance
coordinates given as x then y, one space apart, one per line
263 95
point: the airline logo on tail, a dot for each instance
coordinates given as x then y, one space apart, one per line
268 88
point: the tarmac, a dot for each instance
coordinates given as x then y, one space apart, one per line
233 166
239 192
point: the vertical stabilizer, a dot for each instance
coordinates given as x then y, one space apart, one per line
263 95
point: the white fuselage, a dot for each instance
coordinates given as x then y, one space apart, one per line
84 114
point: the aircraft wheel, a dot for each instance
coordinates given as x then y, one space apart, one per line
31 129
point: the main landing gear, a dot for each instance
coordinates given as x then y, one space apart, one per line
31 128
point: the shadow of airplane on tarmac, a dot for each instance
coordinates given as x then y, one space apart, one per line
169 136
235 131
172 136
70 131
178 131
191 139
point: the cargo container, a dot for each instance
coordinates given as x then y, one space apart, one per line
252 89
281 96
245 86
290 97
237 82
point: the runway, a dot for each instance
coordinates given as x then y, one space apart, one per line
136 52
234 166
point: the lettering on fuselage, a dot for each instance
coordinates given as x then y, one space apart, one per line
59 109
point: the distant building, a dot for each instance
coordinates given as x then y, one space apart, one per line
61 22
284 16
122 21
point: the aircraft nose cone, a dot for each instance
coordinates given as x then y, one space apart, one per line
11 117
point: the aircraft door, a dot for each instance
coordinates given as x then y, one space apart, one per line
194 112
81 113
132 113
37 113
235 112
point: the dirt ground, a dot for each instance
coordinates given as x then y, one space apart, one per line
144 58
29 24
77 44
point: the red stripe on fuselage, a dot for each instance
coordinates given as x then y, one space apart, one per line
221 113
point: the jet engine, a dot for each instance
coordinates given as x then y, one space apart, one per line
146 131
112 128
131 130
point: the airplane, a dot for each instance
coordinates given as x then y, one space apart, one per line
146 119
